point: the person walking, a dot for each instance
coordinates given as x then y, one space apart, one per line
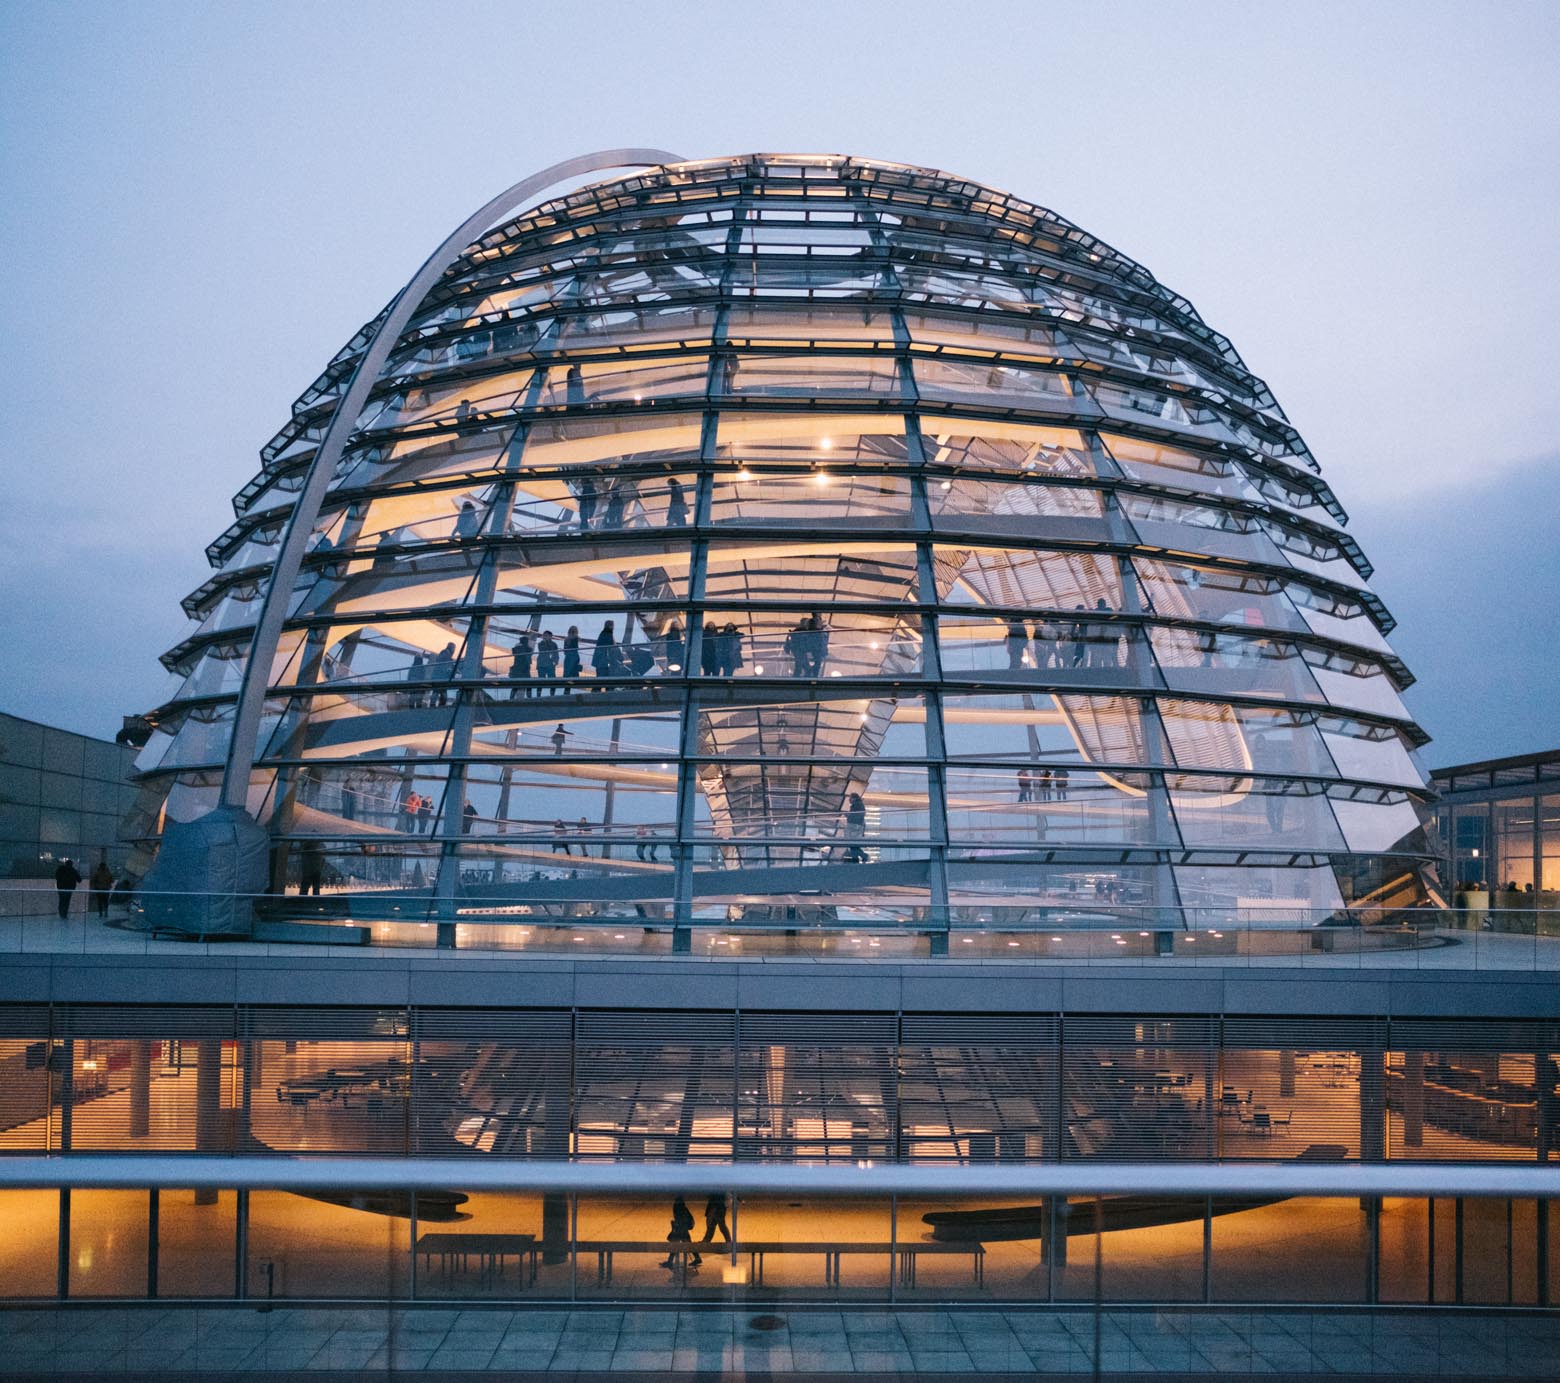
855 829
676 505
715 1219
560 840
520 665
681 1233
66 880
311 868
547 658
587 503
571 654
560 738
1017 642
582 830
101 884
604 655
443 673
730 650
674 649
617 500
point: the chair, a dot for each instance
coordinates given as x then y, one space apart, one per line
1283 1120
1262 1121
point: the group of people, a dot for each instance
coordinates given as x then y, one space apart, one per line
604 511
1044 786
416 812
807 646
1069 644
100 886
681 1231
539 656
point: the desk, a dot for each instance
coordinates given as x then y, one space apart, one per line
490 1251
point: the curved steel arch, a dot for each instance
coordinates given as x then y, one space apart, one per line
243 747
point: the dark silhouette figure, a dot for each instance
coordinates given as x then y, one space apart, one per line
571 654
66 877
612 516
730 650
468 819
676 505
560 842
574 386
675 650
415 675
1059 784
1079 634
1017 641
817 644
1026 785
1044 784
547 656
311 868
587 503
101 884
709 655
603 659
467 521
560 738
520 665
681 1232
796 646
715 1218
443 673
855 828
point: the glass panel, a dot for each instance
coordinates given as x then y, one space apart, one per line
343 1246
29 1248
1305 1249
108 1238
1084 808
969 444
1269 813
195 1242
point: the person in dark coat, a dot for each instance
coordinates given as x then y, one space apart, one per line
1017 642
66 877
709 655
604 656
676 505
520 665
587 503
547 657
715 1218
855 828
730 650
571 653
311 868
102 884
681 1233
675 651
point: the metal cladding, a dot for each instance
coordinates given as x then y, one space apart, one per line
807 540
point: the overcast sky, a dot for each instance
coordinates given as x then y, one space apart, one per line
202 202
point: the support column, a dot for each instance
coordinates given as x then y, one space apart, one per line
1373 1113
1413 1099
140 1088
208 1105
1286 1073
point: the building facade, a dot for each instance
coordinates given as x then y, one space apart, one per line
1498 824
799 540
62 796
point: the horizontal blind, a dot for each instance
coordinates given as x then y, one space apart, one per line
652 1086
492 1082
1297 1088
1136 1087
818 1087
1462 1089
978 1088
24 1078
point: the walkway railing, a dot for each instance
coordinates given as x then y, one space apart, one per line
549 916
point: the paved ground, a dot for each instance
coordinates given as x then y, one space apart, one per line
181 1341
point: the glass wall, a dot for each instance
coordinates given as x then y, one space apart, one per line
715 1247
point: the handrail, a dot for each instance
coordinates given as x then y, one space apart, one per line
484 1173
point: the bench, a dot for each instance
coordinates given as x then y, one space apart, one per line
455 1252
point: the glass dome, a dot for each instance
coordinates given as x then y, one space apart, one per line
806 540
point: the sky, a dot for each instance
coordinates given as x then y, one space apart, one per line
203 202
